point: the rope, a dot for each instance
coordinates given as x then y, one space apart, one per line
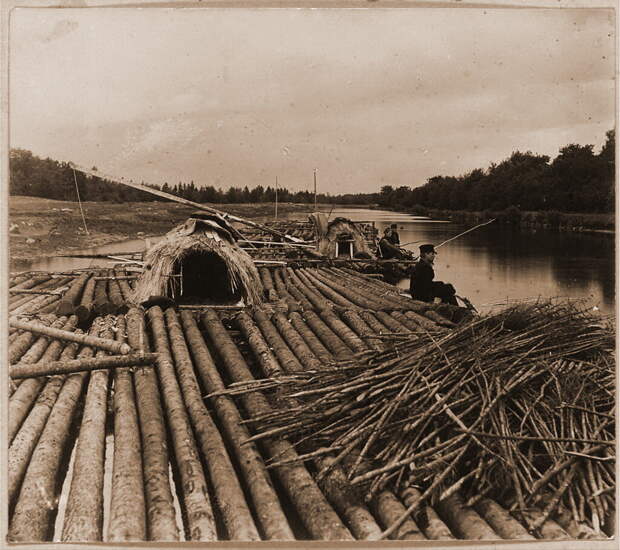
80 202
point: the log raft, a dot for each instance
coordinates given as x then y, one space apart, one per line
316 317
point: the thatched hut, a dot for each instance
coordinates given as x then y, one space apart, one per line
340 238
199 262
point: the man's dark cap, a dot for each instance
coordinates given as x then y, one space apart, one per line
394 225
426 248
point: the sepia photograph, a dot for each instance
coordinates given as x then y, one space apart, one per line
310 273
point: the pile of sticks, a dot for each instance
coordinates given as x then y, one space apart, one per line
518 406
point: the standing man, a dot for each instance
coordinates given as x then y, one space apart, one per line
422 286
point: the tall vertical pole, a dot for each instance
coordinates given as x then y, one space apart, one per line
276 217
315 189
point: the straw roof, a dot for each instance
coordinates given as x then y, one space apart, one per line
329 233
196 236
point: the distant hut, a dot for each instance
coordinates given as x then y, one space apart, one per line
199 262
339 238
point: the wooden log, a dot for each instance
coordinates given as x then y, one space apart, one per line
389 321
349 337
374 323
122 279
100 343
269 291
18 279
161 517
116 296
317 300
24 397
501 521
33 292
407 322
549 529
53 368
439 319
127 501
84 513
228 493
463 520
388 509
424 322
297 344
38 304
201 524
23 445
317 347
102 304
295 299
24 341
259 346
316 513
361 329
329 338
72 297
266 505
353 298
84 309
338 298
286 357
425 516
38 499
33 281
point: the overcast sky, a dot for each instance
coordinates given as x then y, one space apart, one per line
369 97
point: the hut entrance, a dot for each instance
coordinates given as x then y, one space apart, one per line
344 246
204 278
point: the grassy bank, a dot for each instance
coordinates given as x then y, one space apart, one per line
42 227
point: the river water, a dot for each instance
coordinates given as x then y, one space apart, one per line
490 266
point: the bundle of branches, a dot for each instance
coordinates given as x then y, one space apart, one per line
518 405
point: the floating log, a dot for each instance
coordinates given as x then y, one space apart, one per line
501 521
353 297
21 344
268 510
18 279
315 512
38 304
228 493
37 503
295 299
34 291
424 322
362 329
22 296
84 513
71 298
327 336
317 347
390 322
161 515
388 509
270 291
549 529
315 298
425 517
285 356
343 331
201 524
54 368
23 445
32 281
127 502
101 343
24 396
257 342
102 304
122 279
327 291
300 348
84 310
116 296
463 520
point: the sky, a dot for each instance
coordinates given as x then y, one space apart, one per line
368 97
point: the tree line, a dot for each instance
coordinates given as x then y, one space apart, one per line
577 180
50 179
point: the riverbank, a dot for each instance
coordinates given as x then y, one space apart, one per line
551 219
42 227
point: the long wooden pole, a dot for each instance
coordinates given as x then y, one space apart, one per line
180 200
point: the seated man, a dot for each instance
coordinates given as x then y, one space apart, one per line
394 237
422 286
387 248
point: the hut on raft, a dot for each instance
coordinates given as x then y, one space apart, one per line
339 238
199 261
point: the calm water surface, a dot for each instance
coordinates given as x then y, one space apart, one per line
489 265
